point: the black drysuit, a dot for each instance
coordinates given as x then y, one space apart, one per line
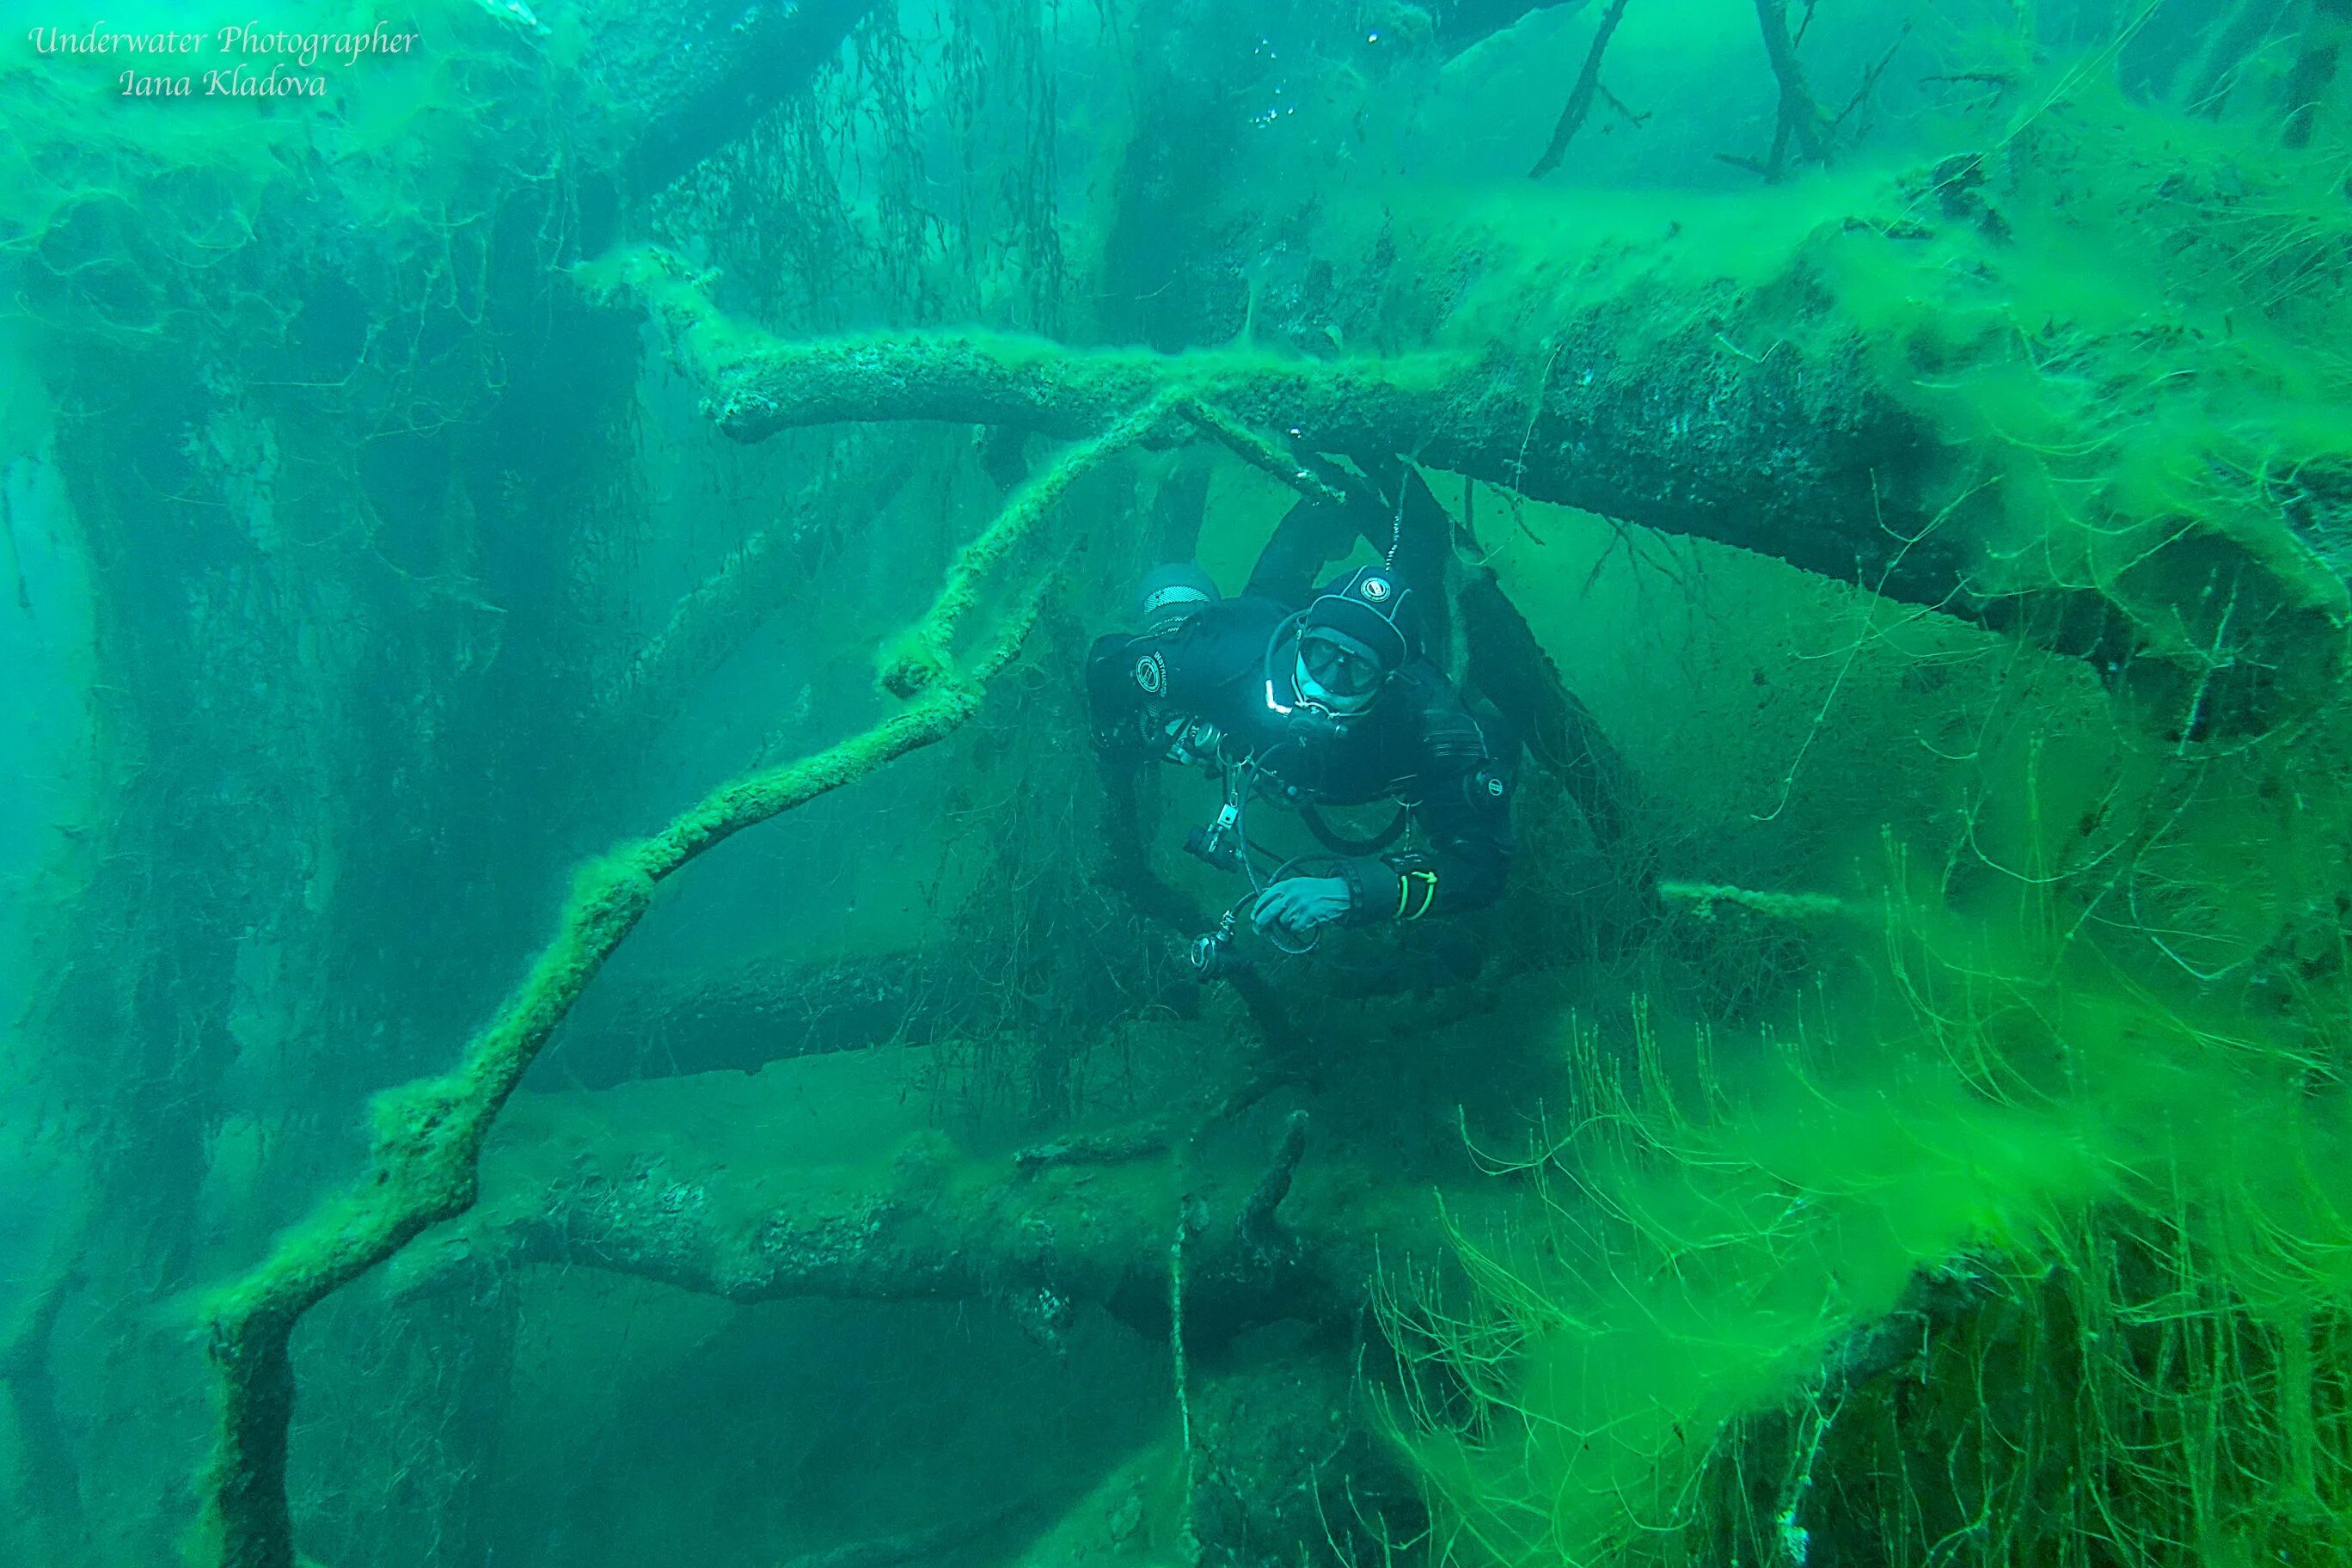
1228 668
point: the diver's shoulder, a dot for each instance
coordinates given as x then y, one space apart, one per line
1242 624
1243 612
1219 644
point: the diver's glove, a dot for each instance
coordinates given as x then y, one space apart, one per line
1302 905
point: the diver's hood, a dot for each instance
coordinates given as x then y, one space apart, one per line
1371 609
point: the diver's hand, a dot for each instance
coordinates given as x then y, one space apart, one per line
1300 905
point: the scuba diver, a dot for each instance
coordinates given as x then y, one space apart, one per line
1325 703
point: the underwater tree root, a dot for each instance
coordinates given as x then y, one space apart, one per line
424 1166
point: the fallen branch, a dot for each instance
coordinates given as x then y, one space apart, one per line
923 655
1870 79
744 1015
1801 117
1113 1148
1580 100
750 59
711 621
428 1135
1648 411
1260 454
930 1222
1608 435
1636 118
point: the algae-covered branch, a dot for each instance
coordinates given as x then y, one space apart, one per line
1881 380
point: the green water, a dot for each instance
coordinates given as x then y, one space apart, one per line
588 982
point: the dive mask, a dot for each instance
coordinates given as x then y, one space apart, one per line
1337 673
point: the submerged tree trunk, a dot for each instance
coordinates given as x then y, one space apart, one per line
1808 453
698 77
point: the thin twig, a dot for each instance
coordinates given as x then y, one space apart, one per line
1800 112
1633 117
1580 100
1870 77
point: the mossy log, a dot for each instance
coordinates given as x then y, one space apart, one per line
1279 1239
740 1016
1780 462
1284 1242
1279 1235
1806 461
744 1015
1811 463
1881 380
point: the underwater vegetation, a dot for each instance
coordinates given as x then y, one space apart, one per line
578 995
2043 1270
